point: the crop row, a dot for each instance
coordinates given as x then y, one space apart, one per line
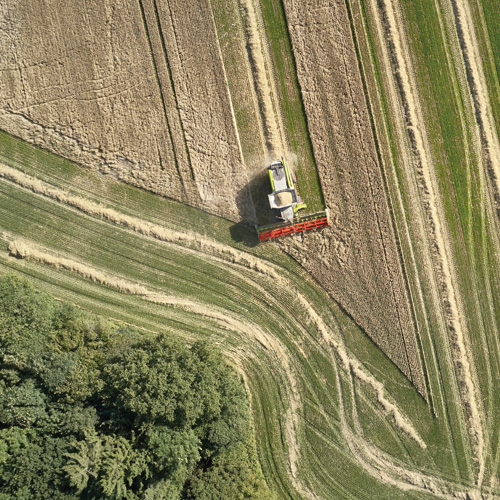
458 162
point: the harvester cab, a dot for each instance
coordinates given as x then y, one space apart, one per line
285 199
284 196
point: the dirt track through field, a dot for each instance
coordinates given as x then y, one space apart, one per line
27 250
372 459
380 466
351 365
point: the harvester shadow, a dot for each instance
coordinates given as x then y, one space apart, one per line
242 233
253 207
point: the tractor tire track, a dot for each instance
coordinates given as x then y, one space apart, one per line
166 92
379 465
407 250
412 349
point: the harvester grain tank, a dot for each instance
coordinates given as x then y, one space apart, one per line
285 199
284 196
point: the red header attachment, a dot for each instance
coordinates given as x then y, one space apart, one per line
304 223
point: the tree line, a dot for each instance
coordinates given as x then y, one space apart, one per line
96 410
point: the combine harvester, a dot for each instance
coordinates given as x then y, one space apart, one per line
285 199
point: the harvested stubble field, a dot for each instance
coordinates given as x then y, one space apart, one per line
370 349
299 352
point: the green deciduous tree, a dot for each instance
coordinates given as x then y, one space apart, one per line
85 461
231 475
154 382
175 453
22 404
93 410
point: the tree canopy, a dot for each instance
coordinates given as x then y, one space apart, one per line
91 409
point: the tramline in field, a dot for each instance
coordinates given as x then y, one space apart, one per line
285 199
